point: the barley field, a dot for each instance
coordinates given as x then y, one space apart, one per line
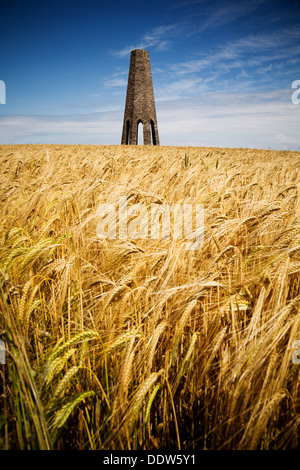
142 344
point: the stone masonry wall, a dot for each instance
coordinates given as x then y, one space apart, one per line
140 104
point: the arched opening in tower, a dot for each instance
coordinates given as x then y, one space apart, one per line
140 135
153 136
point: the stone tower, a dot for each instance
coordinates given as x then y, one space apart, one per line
140 105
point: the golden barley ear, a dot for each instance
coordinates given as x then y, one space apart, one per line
63 414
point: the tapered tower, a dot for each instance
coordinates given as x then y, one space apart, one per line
140 105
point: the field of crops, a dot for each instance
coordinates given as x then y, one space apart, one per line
142 344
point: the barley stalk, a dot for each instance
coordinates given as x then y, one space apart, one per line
63 414
219 322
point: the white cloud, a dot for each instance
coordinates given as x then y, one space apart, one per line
224 13
256 120
115 82
180 89
158 37
98 127
235 54
232 120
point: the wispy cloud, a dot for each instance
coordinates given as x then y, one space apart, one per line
221 13
102 127
115 82
257 120
158 37
183 88
254 62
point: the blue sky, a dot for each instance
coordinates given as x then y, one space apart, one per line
222 70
